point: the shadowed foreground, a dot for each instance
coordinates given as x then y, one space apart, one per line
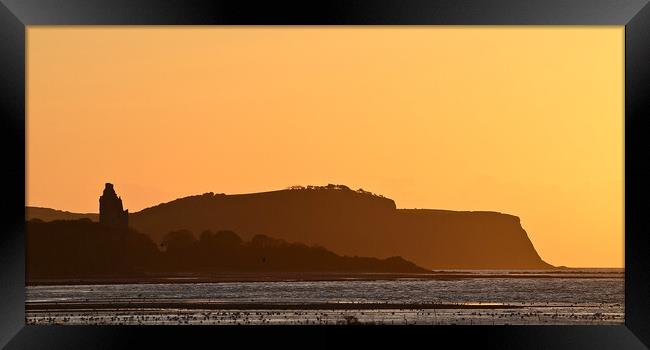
85 250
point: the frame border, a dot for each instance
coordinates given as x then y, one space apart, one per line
15 15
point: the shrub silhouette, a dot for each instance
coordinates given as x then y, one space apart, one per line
82 248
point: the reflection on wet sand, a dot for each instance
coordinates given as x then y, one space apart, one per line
478 298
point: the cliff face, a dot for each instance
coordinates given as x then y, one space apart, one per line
353 223
465 240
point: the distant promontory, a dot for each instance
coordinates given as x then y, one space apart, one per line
347 222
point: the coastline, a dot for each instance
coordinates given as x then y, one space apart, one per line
234 277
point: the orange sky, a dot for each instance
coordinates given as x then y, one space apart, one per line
522 120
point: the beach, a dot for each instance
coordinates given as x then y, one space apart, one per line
446 297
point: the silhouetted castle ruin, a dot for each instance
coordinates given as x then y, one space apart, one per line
111 212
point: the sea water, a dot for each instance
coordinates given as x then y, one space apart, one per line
469 297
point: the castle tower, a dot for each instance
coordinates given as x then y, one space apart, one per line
111 212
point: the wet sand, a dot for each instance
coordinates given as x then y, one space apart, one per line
306 315
42 307
438 298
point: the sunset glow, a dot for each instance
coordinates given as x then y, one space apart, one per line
521 120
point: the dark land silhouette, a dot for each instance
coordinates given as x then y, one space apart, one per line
349 222
81 249
47 214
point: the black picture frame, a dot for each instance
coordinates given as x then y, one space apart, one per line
15 15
